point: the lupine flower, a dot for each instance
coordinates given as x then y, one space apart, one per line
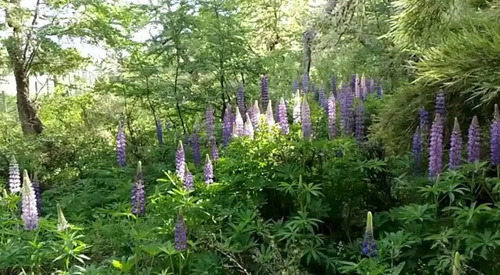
457 268
249 132
332 117
241 99
417 150
360 120
209 121
283 117
295 86
346 110
370 85
239 129
369 244
138 193
473 142
38 194
214 151
440 105
188 182
159 132
121 146
306 120
270 116
424 119
322 99
305 83
264 91
180 161
30 212
380 91
495 138
14 176
255 115
180 234
62 224
334 85
297 106
227 126
436 148
208 171
195 145
456 146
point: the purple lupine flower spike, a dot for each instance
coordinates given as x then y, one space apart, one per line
369 244
332 117
270 116
195 144
180 234
295 86
38 194
239 127
255 115
188 182
436 148
424 120
249 132
440 105
473 142
305 83
159 132
306 120
138 193
241 99
29 209
322 99
210 121
227 126
14 176
495 138
264 86
334 85
180 161
346 110
360 120
283 117
277 114
380 91
121 146
297 107
417 150
208 171
214 151
456 146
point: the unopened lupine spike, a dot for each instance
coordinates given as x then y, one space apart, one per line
14 176
297 107
455 146
38 194
417 150
436 148
474 141
332 117
121 146
270 116
457 268
209 121
306 121
188 182
369 248
138 193
180 234
195 144
249 131
283 117
264 86
208 171
180 161
29 209
241 99
495 138
62 224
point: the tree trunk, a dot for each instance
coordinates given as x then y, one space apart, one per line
30 123
308 38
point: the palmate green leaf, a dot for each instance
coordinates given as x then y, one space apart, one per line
486 242
464 214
